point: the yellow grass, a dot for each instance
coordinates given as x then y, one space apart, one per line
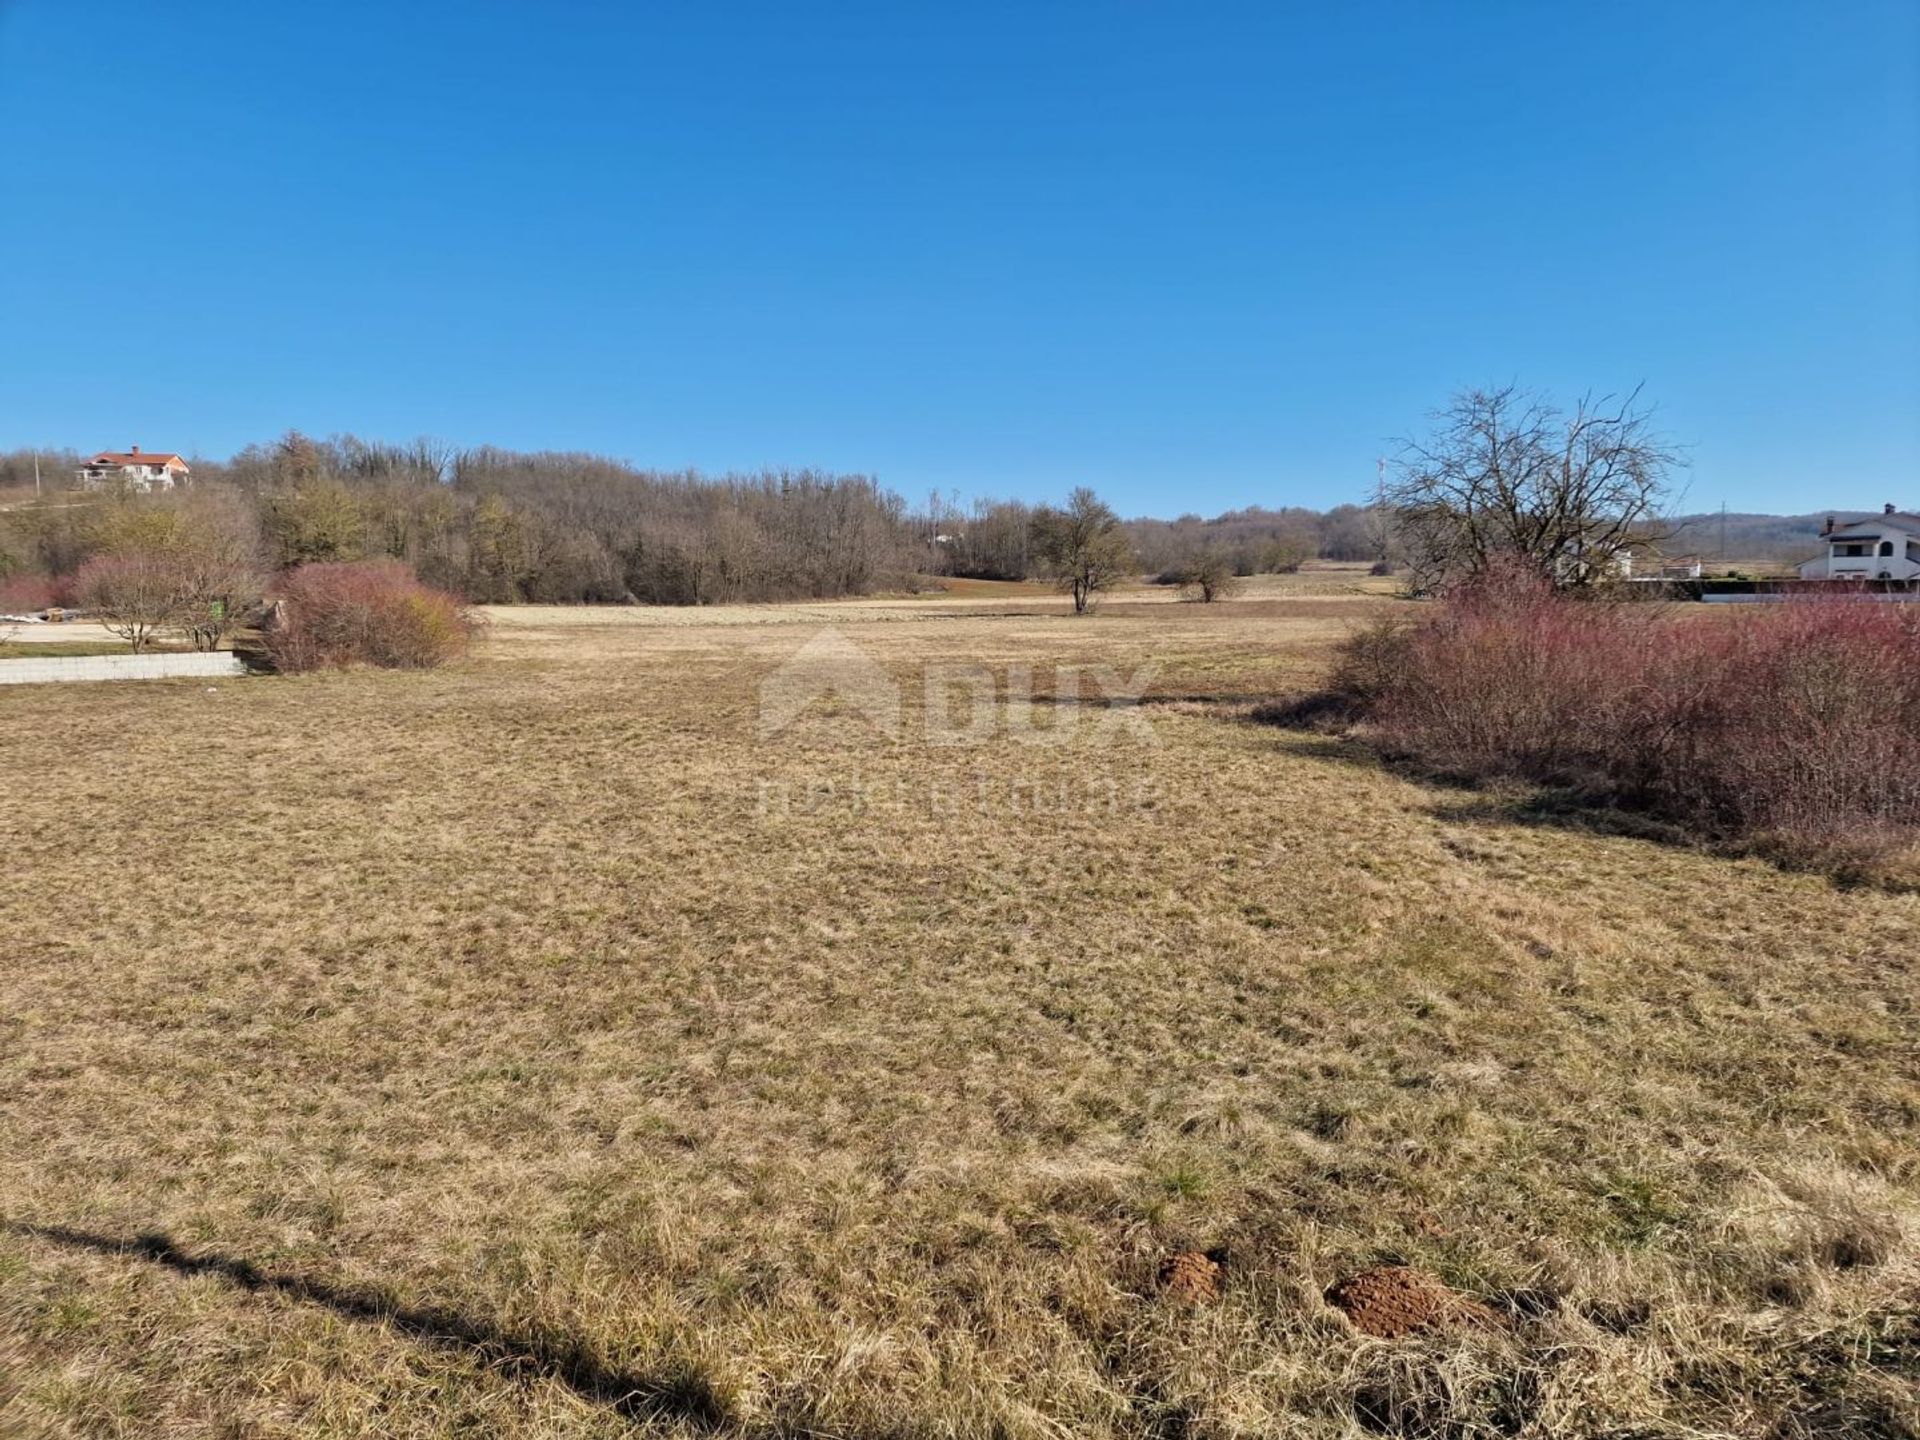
72 632
534 1049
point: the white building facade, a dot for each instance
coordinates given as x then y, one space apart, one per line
1886 547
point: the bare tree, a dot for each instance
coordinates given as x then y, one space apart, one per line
1083 546
1283 555
1509 474
995 543
188 562
216 549
134 596
1210 577
217 590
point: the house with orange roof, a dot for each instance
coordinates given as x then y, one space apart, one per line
138 470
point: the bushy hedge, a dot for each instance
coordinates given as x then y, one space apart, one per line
1797 721
28 593
368 612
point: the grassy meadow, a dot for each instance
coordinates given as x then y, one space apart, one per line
536 1048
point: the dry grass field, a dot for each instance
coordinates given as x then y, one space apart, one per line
535 1048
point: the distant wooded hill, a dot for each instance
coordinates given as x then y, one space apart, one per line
1739 536
496 525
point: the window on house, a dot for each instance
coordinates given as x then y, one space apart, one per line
1886 548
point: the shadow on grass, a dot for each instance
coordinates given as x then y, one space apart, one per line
680 1397
1319 733
1494 800
1163 695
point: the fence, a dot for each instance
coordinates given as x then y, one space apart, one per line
1748 592
39 670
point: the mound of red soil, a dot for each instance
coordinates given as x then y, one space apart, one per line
1388 1301
1192 1278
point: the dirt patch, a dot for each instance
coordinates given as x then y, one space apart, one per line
1388 1301
1192 1278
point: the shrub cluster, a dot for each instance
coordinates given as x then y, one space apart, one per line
28 594
1796 722
1208 577
368 612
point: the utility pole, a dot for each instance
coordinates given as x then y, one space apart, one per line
36 474
1381 536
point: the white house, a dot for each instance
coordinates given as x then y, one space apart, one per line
1578 564
136 470
1886 547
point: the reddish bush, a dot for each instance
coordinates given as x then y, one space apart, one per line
371 612
1510 677
1801 721
25 594
1797 721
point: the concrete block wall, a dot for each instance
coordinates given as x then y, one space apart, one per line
52 668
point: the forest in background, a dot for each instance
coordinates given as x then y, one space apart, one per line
495 526
501 526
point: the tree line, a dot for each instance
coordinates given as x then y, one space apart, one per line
500 527
495 526
993 539
1503 473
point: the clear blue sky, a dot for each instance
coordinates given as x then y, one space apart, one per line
1197 256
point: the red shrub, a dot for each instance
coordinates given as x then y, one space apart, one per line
1512 677
1801 720
371 612
25 594
1798 720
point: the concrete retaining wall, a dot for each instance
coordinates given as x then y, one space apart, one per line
40 671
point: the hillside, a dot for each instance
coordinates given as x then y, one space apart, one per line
1753 536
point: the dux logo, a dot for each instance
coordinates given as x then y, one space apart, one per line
829 668
962 704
